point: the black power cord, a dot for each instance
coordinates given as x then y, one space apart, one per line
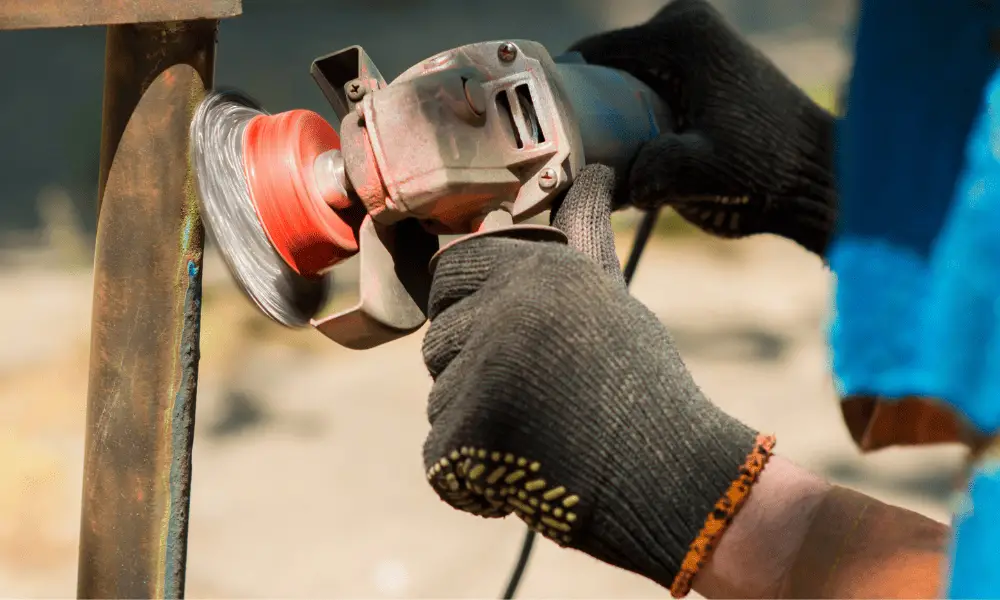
642 235
522 563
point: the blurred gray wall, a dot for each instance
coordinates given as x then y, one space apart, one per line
51 79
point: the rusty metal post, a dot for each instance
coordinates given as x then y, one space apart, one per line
146 315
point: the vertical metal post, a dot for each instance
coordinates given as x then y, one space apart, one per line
146 315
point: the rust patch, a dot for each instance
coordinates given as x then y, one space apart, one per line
136 55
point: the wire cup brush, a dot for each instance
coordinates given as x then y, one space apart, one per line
472 141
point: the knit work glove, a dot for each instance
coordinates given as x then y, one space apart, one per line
560 398
750 153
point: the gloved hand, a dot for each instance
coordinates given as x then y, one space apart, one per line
751 153
560 398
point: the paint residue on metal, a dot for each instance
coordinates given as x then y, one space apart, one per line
188 284
182 426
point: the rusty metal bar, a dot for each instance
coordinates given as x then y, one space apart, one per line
146 315
36 14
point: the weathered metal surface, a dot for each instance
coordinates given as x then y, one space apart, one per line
146 316
135 55
37 14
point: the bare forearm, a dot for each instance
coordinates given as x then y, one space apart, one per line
800 537
753 557
858 547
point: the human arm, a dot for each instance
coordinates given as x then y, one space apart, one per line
561 399
798 536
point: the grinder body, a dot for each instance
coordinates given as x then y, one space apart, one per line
472 141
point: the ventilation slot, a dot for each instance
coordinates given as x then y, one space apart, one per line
535 134
520 122
507 119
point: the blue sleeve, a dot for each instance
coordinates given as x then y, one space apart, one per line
920 69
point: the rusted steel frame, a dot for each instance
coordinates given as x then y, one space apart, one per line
36 14
146 315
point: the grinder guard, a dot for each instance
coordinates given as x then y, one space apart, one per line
394 286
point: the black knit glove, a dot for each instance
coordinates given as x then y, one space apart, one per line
559 397
751 152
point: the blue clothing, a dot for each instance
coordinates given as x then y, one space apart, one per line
917 248
911 104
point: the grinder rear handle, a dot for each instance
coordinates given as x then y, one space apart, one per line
615 112
493 126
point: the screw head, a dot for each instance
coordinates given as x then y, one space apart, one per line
548 178
356 90
507 52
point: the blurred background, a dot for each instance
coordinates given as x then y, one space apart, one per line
308 479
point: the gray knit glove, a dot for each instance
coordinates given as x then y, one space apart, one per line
751 152
559 397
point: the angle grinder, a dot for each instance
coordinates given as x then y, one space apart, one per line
473 141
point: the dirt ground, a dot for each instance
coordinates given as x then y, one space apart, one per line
308 480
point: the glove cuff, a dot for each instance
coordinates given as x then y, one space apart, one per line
722 514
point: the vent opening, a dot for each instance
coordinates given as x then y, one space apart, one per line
535 134
507 119
522 126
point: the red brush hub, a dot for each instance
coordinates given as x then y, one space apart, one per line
300 219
